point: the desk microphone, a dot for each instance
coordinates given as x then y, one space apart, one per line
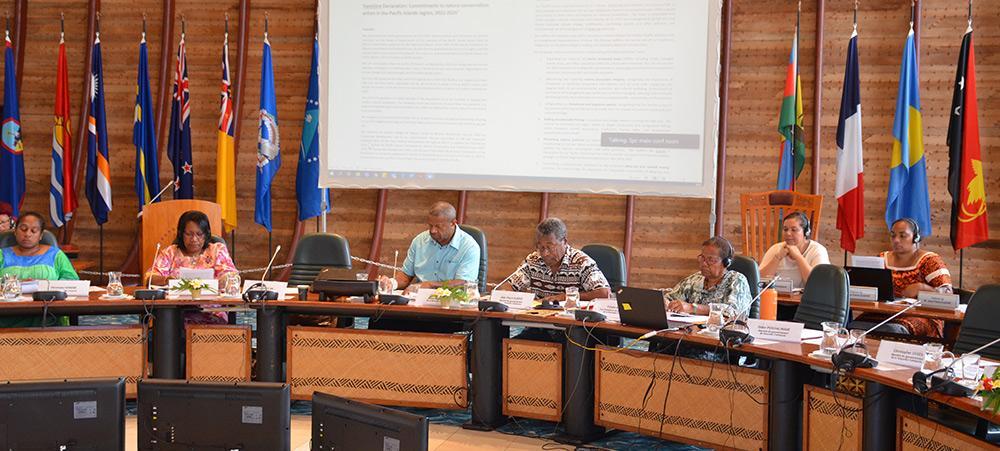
736 332
943 379
253 294
850 360
149 293
508 277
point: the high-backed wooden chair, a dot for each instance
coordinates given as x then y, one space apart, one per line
159 223
761 214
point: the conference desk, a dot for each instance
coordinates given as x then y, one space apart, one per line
952 318
771 406
783 381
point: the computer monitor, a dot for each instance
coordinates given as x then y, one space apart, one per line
871 277
340 423
74 414
181 415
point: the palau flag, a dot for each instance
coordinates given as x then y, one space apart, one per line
907 196
147 170
62 198
313 200
850 188
98 168
965 170
268 141
12 155
179 139
793 146
225 169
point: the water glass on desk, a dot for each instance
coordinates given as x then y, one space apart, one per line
933 355
11 287
115 288
833 333
572 297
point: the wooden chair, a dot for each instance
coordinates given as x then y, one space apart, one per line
761 214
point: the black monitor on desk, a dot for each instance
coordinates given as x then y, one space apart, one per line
342 424
72 414
879 278
181 415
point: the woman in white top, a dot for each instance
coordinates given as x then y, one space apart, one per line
795 257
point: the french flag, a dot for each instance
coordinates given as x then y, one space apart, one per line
850 165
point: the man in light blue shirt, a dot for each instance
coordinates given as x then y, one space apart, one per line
442 254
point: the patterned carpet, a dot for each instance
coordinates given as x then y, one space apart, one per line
613 440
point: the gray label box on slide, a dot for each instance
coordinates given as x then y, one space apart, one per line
655 140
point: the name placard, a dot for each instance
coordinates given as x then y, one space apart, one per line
75 288
863 293
609 308
515 300
783 286
863 261
422 298
903 354
775 330
942 301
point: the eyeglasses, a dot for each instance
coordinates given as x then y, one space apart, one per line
549 248
197 235
710 259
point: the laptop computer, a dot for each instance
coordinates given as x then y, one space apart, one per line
879 278
642 308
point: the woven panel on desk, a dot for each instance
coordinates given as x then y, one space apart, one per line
73 352
218 353
916 433
706 406
382 367
854 386
829 423
532 379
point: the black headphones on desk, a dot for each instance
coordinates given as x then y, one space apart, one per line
735 333
259 292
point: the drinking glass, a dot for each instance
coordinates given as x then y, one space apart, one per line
718 315
968 367
832 331
11 287
233 288
472 289
933 355
115 288
572 297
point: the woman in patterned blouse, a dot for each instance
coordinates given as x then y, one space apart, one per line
713 283
914 270
192 249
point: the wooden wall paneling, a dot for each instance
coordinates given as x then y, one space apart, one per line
377 232
79 145
509 221
352 215
590 218
818 96
20 31
629 232
37 88
463 204
543 207
667 239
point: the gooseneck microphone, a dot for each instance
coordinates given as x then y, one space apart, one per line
149 293
259 291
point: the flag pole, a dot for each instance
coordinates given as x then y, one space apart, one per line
845 258
961 262
795 100
100 259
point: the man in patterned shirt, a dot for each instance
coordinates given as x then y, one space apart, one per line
556 265
713 283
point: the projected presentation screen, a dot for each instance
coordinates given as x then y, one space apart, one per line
590 96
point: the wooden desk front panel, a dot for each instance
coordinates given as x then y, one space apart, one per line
532 379
218 353
917 433
829 423
382 367
706 406
73 352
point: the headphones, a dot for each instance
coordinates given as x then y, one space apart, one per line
735 334
914 227
803 221
729 252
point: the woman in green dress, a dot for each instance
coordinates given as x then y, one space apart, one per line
31 260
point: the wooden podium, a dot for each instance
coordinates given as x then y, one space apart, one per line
159 224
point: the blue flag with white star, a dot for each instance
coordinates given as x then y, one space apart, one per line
147 169
313 200
12 154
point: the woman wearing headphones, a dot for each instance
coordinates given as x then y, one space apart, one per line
713 283
794 258
914 270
